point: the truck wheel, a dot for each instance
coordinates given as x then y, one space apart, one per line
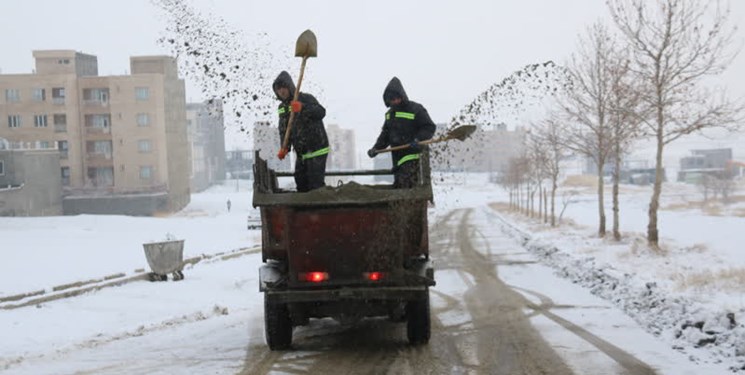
277 325
418 321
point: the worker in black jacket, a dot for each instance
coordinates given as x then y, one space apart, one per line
406 122
308 136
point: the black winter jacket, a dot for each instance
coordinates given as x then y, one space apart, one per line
404 123
308 133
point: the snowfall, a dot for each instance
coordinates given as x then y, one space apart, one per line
74 296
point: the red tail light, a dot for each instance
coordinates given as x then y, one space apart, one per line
314 277
373 276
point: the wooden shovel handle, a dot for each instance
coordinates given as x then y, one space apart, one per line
403 147
286 139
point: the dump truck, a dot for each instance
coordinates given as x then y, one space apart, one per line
349 252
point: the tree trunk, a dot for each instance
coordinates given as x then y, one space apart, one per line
616 178
553 202
512 199
519 199
545 205
531 204
601 199
540 201
652 233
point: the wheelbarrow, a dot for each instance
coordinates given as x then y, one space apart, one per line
164 258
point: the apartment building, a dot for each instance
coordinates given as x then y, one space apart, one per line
122 139
267 142
343 155
489 149
714 162
206 130
239 164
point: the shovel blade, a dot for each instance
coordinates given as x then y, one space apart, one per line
462 132
306 45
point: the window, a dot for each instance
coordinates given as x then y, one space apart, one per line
2 168
144 145
44 145
65 176
99 123
143 119
40 121
96 96
38 95
12 95
146 172
60 122
99 148
142 93
58 95
101 176
62 147
14 121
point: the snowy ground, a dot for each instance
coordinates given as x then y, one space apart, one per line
698 280
690 293
49 251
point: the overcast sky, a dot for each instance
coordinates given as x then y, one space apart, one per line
444 52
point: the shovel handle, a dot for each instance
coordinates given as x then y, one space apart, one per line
286 139
403 147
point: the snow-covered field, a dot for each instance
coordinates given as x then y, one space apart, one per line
691 293
42 252
698 280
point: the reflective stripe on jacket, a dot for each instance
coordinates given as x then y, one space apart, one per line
315 153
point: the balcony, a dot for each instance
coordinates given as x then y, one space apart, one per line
95 103
97 130
60 128
96 97
99 159
99 155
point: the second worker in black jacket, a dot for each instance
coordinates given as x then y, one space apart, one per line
308 136
406 122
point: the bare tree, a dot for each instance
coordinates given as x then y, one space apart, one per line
549 135
706 185
512 179
624 119
588 104
567 198
677 43
538 156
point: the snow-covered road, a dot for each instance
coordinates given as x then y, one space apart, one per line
495 310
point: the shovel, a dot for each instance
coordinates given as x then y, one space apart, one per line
460 133
305 47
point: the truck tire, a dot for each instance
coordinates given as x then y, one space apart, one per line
418 320
277 325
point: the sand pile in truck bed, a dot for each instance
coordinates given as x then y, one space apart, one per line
350 193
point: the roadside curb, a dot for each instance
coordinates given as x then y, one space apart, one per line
80 287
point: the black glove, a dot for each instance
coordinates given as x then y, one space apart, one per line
371 153
414 146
